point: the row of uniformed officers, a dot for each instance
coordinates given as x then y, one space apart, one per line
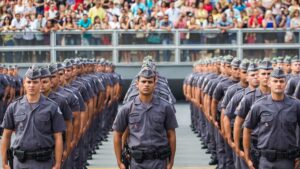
66 111
247 113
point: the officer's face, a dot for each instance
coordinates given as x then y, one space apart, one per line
68 73
277 85
45 85
54 80
243 75
287 67
296 67
11 72
235 72
264 76
5 71
146 86
252 79
228 69
32 87
61 74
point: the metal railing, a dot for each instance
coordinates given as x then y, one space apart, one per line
177 47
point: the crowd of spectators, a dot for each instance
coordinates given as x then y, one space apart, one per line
54 15
51 15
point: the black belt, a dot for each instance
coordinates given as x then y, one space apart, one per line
273 155
38 155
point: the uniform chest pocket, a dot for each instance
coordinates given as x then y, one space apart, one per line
158 122
42 121
135 122
290 122
19 122
266 120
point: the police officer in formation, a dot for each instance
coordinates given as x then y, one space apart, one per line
225 91
147 122
68 109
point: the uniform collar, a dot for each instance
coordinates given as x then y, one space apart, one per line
42 99
285 100
137 100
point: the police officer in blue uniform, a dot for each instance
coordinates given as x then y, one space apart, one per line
276 117
147 117
265 68
38 124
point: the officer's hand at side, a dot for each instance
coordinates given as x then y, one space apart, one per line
250 164
297 163
242 154
56 167
6 167
122 166
65 155
170 166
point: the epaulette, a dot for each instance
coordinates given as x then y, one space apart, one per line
262 98
48 99
167 101
250 92
19 98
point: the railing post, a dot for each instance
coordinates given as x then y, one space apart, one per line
240 43
115 43
177 44
52 44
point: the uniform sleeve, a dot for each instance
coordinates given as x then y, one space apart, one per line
231 107
252 118
85 95
80 102
74 104
243 108
171 121
8 120
121 120
58 123
66 110
290 87
297 91
206 88
218 92
226 99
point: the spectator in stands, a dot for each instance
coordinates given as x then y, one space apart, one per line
125 38
167 25
173 13
194 37
224 25
239 5
255 20
186 8
138 5
105 23
16 25
80 11
277 7
163 7
52 11
294 6
29 8
85 24
8 39
140 27
69 24
38 25
114 8
39 4
201 13
115 24
19 7
269 22
97 10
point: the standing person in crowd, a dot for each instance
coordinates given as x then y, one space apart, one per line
43 136
160 151
274 116
97 10
166 25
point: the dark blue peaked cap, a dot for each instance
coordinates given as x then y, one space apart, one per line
278 73
33 73
45 72
146 72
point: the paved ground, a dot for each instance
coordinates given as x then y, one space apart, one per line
189 154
